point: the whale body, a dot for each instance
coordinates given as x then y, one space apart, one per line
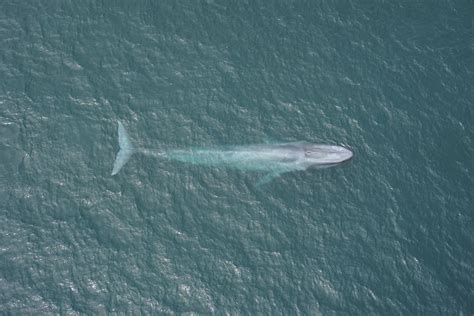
272 159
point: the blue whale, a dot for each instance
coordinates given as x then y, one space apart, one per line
272 159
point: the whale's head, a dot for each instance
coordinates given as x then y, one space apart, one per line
326 155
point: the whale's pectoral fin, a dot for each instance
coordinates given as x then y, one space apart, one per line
267 178
269 141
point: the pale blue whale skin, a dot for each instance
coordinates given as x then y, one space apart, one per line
273 159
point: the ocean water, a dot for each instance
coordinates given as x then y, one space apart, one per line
390 233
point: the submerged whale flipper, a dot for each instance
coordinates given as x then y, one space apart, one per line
126 149
267 178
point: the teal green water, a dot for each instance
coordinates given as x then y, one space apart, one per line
389 233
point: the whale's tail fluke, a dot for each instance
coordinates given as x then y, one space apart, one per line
126 149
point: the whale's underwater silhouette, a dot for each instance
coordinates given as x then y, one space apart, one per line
272 159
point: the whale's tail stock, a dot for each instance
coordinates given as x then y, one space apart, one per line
126 149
